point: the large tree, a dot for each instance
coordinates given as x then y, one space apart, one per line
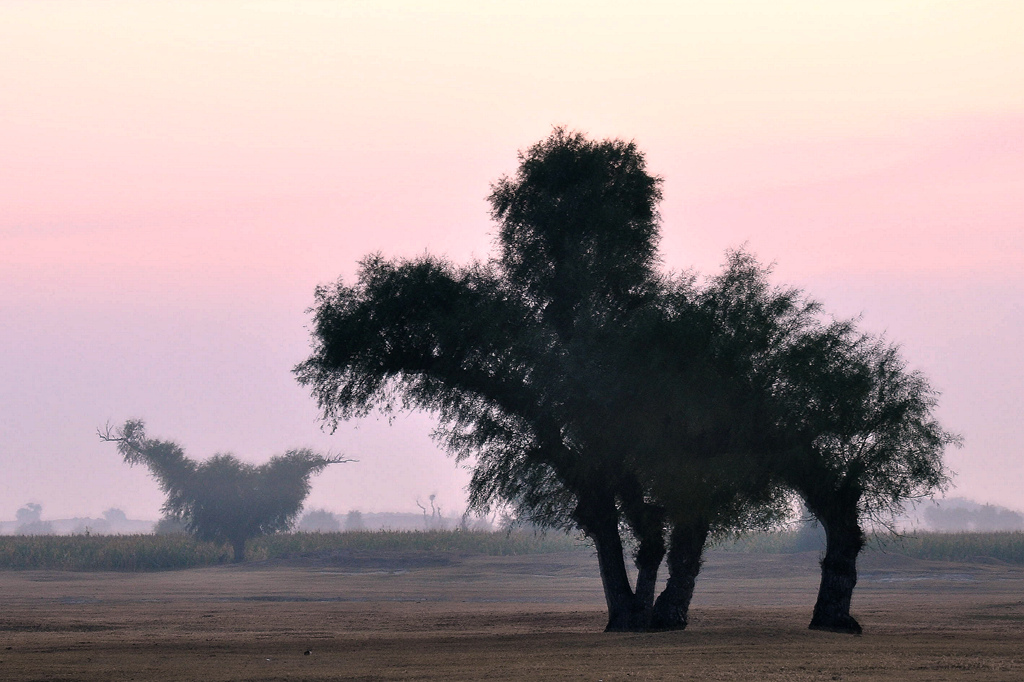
692 426
222 499
512 354
593 391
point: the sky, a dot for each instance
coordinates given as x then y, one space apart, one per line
177 177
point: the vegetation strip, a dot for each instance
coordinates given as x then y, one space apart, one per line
135 553
132 553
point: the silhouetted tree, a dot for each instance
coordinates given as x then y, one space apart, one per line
862 440
696 429
505 352
222 499
843 422
541 364
595 393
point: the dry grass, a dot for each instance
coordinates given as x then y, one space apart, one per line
388 615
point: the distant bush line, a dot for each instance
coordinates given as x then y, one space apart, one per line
176 551
131 553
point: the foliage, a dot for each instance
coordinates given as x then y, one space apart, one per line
862 423
959 547
965 547
132 553
109 552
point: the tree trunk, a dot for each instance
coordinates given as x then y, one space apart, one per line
618 594
647 523
238 545
599 519
844 540
685 556
643 597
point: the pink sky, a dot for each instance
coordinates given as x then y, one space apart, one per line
177 177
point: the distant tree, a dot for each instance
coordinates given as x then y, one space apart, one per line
115 516
30 521
319 521
354 521
960 515
994 518
223 499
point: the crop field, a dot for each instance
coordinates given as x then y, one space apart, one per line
392 614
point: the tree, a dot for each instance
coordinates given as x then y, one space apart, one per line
508 352
222 499
30 521
319 521
861 439
541 363
695 428
835 413
592 391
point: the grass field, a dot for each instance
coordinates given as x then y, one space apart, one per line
170 552
178 551
430 615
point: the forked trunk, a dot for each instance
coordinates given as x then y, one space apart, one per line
618 594
647 522
844 540
628 611
685 556
643 597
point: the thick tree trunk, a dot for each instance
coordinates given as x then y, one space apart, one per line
626 612
643 597
647 523
844 540
239 549
685 556
618 594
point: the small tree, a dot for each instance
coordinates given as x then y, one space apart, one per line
839 418
223 499
862 440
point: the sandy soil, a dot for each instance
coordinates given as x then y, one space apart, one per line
421 616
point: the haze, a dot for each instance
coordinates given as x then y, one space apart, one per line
176 178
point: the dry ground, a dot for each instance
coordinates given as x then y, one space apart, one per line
421 616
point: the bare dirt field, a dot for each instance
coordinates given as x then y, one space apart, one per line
425 616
